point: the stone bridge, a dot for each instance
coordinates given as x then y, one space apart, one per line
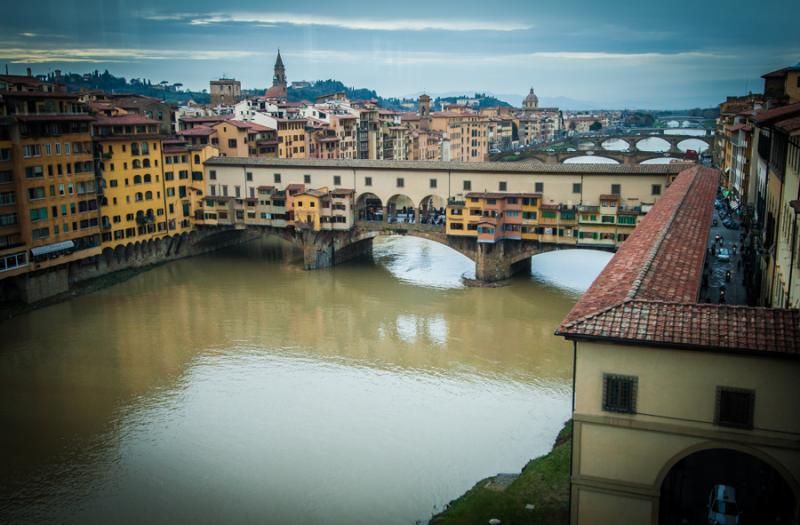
621 157
493 262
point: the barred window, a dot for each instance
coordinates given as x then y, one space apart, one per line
734 407
619 393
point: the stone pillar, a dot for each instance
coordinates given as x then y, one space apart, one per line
492 263
325 249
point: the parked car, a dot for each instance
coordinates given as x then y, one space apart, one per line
722 508
724 254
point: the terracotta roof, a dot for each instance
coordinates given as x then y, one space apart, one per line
342 191
122 120
210 118
491 195
521 167
647 294
258 127
789 125
313 193
198 131
266 188
768 116
609 197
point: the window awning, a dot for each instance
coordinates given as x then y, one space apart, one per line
50 248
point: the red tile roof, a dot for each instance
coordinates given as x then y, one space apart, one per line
122 120
647 294
198 131
769 116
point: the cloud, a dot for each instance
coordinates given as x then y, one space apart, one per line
29 35
98 55
351 23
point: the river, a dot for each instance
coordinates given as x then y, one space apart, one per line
235 387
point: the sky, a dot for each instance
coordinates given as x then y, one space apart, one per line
603 54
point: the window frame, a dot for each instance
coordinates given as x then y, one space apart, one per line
618 408
747 425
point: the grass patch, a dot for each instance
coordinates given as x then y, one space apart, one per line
543 482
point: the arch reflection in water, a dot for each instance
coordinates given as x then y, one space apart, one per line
237 385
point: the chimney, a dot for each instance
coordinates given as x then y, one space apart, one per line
30 74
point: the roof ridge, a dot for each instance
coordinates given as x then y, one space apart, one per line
637 283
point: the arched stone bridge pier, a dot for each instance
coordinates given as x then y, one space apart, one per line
493 262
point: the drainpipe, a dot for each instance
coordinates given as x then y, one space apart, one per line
794 205
572 440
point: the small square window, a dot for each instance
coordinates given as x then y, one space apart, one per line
502 186
277 177
576 187
401 182
656 190
467 185
734 407
337 180
433 183
307 179
616 189
212 175
367 181
539 187
619 393
249 175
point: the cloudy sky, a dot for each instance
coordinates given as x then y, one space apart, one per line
610 53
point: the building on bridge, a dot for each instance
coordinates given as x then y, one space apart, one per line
673 396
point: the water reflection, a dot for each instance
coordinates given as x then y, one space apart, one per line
236 387
590 159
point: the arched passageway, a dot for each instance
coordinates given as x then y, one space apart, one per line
432 210
369 207
400 208
760 493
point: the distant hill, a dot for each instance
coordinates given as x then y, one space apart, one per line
107 82
320 88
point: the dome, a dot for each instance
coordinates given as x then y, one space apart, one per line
531 101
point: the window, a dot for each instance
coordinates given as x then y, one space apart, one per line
306 179
576 187
467 185
238 191
538 187
616 189
608 219
502 186
337 180
433 183
32 172
734 407
401 182
656 189
277 177
367 181
249 176
38 214
36 193
619 393
212 174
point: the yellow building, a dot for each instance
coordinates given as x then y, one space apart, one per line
134 201
48 194
323 209
184 184
292 139
672 396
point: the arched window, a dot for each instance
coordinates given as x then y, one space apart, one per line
147 178
138 196
137 163
137 179
146 163
148 195
104 201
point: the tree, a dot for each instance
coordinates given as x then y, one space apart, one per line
595 126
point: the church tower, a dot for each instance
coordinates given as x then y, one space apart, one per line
278 89
279 75
531 101
424 112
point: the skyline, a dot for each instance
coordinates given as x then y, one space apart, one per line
643 56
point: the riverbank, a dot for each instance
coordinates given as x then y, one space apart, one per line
11 309
539 494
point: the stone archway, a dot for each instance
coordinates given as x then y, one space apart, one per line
765 492
432 210
369 207
400 208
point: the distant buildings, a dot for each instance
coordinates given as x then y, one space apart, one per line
757 147
225 92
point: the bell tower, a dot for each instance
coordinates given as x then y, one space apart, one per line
424 112
279 75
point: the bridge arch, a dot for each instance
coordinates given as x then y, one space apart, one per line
695 143
588 157
657 144
615 144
